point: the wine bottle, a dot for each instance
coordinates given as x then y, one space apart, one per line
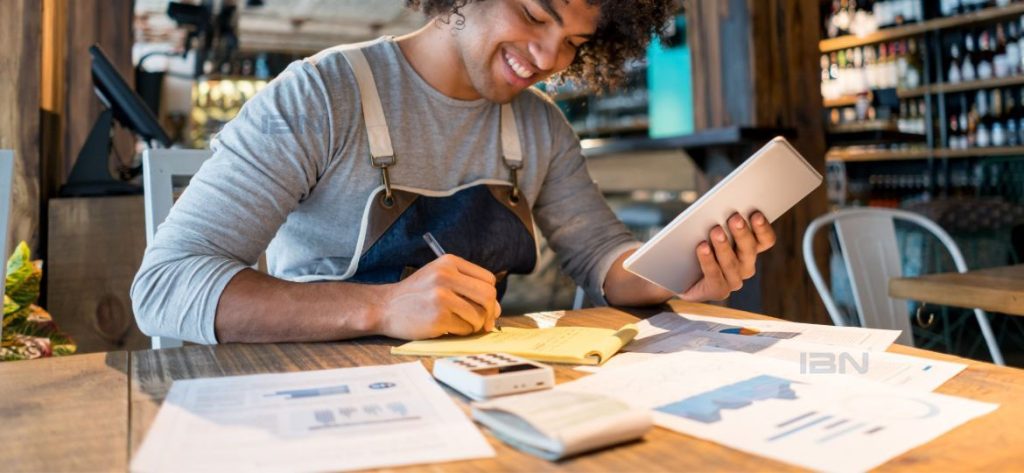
1000 58
967 70
871 67
966 136
950 7
953 136
982 137
954 75
996 119
1010 113
915 68
1013 58
892 70
985 55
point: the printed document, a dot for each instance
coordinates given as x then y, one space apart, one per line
343 419
804 357
868 339
757 405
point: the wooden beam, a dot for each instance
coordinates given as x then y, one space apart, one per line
722 60
784 45
52 96
755 64
19 113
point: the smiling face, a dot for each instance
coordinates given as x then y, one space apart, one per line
509 45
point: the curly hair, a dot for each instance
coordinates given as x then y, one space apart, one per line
624 30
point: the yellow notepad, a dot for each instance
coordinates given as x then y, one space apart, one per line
576 345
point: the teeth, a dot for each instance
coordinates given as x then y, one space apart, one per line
519 69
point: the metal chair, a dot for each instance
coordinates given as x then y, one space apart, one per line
867 238
163 171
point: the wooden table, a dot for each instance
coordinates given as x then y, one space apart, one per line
120 408
994 290
65 414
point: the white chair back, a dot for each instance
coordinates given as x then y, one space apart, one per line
867 238
6 182
160 169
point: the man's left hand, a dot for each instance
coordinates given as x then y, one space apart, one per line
727 264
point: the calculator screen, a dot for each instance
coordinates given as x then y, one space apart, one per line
505 369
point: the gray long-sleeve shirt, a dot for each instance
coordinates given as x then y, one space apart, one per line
292 171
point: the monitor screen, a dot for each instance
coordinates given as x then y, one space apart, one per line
127 107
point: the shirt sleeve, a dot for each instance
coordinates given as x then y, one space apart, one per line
264 163
573 215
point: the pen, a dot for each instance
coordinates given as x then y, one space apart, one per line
439 252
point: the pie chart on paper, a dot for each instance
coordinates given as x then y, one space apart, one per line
740 331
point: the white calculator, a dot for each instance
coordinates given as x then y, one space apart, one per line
482 377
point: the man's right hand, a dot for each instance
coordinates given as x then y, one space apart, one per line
448 296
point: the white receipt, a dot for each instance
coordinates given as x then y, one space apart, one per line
343 419
546 319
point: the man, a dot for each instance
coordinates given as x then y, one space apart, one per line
344 162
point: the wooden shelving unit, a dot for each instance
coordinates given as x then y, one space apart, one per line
712 138
847 101
640 126
995 83
977 85
915 29
872 133
866 156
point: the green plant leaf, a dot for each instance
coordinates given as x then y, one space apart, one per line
23 277
10 306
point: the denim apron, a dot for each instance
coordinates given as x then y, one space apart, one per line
487 222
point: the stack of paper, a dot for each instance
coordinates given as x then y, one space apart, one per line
821 397
757 404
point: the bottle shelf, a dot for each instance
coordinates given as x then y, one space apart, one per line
845 101
873 131
639 126
917 29
940 88
944 88
710 138
902 155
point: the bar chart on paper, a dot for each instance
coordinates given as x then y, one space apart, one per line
349 416
755 404
342 419
707 407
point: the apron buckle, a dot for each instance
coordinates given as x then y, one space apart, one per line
382 163
513 167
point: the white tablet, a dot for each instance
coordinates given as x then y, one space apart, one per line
773 180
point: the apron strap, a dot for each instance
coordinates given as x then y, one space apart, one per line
382 154
512 152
